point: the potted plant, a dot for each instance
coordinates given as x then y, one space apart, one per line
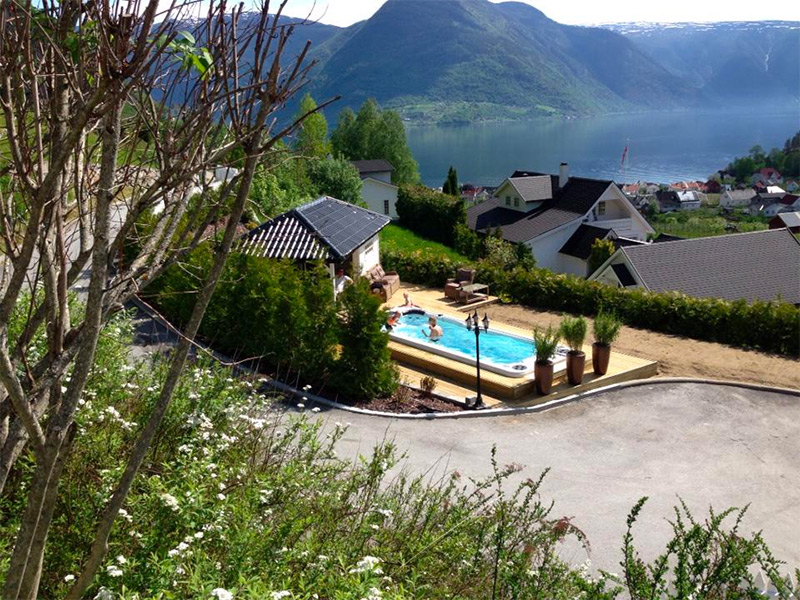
606 330
546 341
573 330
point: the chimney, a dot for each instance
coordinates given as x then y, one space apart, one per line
563 174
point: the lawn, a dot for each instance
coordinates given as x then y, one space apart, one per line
394 237
704 222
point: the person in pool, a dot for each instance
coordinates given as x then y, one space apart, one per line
393 319
408 300
434 332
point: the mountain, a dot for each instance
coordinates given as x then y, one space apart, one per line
731 62
462 59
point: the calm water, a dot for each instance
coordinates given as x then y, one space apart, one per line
495 347
663 147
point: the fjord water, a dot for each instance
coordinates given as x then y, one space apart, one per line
663 146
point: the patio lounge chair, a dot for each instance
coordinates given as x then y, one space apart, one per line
383 283
453 285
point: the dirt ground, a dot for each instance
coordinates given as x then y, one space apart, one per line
677 356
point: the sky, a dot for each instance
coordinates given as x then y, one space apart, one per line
581 12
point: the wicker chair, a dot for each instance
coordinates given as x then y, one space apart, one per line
453 285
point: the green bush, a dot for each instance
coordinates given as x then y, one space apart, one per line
573 332
546 341
606 328
364 369
767 326
284 318
431 214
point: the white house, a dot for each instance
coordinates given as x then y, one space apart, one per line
759 265
690 199
377 190
559 216
736 198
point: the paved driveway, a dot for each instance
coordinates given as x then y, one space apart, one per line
710 445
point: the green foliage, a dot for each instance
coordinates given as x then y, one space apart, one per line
601 251
546 341
451 187
336 177
573 331
395 237
606 328
373 134
786 161
431 214
705 222
364 369
467 242
706 559
285 318
312 139
768 326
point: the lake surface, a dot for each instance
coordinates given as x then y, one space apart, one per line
662 147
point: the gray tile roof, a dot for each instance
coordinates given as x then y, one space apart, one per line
573 201
789 219
377 165
325 228
760 265
533 188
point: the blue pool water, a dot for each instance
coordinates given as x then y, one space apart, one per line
496 347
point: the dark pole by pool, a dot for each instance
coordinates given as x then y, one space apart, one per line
473 323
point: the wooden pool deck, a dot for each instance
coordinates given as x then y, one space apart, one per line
458 380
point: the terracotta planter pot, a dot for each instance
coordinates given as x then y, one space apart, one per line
576 363
601 354
543 374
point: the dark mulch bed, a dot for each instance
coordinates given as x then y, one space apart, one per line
410 401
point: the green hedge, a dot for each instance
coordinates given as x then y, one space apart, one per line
767 326
431 214
285 318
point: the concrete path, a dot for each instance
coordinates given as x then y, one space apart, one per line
710 445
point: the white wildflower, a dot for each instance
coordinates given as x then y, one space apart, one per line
220 496
171 501
373 594
367 564
199 535
221 594
121 559
385 512
114 571
300 405
281 594
316 409
68 578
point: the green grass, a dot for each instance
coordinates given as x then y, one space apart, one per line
394 237
704 222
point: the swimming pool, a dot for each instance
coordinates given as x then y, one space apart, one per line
504 353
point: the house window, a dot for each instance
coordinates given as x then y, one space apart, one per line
386 207
516 202
601 208
508 200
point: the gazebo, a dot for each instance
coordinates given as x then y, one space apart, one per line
327 229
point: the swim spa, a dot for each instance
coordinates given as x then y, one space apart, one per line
503 353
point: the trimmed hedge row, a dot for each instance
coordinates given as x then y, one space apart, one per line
767 326
429 213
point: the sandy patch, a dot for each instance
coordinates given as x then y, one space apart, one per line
677 356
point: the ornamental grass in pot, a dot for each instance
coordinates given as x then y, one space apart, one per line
573 331
606 331
546 341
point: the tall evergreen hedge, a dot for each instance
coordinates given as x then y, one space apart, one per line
430 214
767 326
